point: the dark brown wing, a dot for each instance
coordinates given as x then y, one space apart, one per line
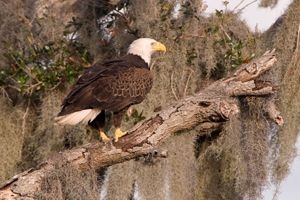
126 88
111 86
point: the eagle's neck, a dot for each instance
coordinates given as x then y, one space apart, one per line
145 55
136 61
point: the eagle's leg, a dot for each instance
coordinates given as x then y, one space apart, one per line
103 136
99 124
117 119
118 134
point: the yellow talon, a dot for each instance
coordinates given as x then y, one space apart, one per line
118 134
103 136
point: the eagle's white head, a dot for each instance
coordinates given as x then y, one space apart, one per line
145 47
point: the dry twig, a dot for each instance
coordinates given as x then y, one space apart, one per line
187 82
172 88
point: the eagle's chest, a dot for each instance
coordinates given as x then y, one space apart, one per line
135 82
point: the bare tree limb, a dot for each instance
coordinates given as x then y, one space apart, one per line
273 113
208 110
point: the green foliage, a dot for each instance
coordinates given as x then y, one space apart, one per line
232 47
233 54
191 55
136 116
189 10
43 66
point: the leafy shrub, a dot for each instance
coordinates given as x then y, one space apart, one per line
41 67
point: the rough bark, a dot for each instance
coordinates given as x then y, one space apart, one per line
207 110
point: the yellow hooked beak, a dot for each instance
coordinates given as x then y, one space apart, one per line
157 46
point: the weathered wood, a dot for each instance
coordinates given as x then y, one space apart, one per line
208 110
273 113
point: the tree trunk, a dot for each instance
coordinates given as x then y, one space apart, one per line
208 110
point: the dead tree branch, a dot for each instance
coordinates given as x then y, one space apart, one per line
208 110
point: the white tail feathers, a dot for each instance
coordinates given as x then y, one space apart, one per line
83 116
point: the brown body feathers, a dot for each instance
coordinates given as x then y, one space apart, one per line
111 86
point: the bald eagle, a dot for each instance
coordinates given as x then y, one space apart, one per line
111 86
